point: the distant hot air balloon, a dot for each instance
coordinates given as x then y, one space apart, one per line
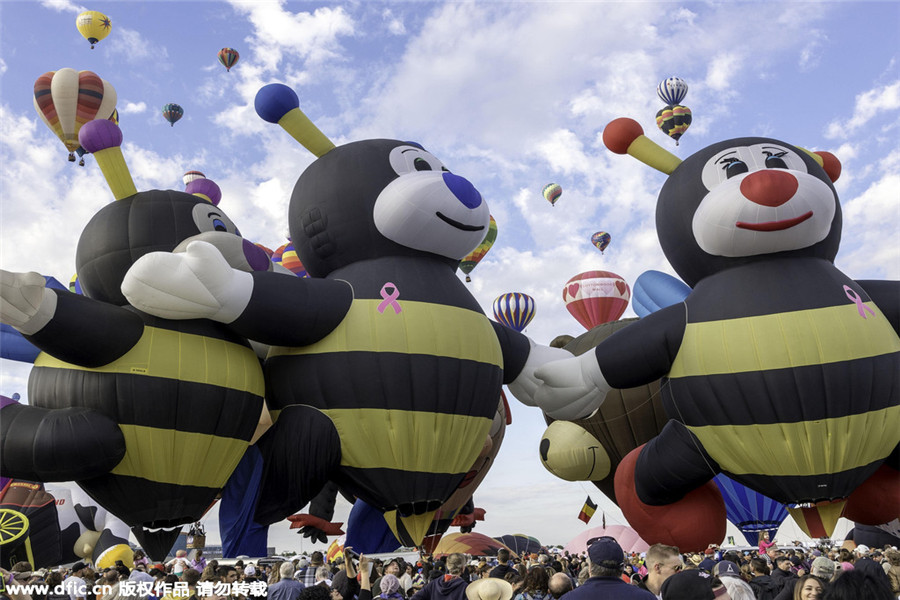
67 99
172 112
190 176
601 239
552 192
674 121
93 26
474 257
228 57
672 90
286 256
596 297
514 310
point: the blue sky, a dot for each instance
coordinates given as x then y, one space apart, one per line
512 95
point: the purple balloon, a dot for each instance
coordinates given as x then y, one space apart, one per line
99 134
206 187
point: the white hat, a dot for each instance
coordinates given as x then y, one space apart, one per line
862 549
491 588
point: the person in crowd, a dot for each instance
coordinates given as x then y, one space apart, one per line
323 576
857 585
808 587
763 585
287 587
730 575
316 560
199 561
559 585
535 585
765 544
893 571
692 584
823 568
662 562
784 577
392 567
607 563
177 565
503 567
447 587
515 580
489 588
390 587
53 581
75 584
406 579
140 558
315 592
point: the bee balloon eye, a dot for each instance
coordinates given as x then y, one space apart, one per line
421 165
775 161
219 225
735 167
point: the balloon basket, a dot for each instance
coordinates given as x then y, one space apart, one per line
196 542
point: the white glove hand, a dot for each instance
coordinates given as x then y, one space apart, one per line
195 284
573 388
526 384
25 302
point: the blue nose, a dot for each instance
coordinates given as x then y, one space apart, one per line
464 191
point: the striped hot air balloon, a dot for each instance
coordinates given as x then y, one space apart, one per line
228 57
514 310
172 113
552 192
474 257
672 90
674 121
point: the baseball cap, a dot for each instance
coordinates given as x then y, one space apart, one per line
78 566
606 549
726 568
688 585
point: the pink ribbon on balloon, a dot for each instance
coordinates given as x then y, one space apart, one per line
852 295
389 298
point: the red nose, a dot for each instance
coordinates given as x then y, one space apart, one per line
770 187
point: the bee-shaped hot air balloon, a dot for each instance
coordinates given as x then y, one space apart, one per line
385 377
148 415
779 370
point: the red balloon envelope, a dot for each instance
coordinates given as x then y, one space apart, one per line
596 297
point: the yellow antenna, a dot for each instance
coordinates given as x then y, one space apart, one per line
103 139
626 136
277 103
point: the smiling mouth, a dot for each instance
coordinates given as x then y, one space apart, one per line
459 225
774 225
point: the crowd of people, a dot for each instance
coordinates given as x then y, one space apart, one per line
604 571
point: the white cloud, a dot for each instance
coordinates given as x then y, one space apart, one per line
394 24
63 6
312 37
722 70
869 104
134 48
131 108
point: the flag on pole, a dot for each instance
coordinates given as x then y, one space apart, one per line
587 511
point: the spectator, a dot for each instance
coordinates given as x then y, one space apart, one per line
893 571
607 563
447 587
823 568
74 585
489 588
693 584
316 560
856 585
808 587
662 562
179 564
730 575
765 544
199 562
784 577
560 583
503 567
390 587
536 584
762 584
287 587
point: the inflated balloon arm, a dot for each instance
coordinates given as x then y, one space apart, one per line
42 444
279 104
626 136
572 388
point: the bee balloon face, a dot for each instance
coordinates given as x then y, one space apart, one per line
153 221
740 200
401 201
